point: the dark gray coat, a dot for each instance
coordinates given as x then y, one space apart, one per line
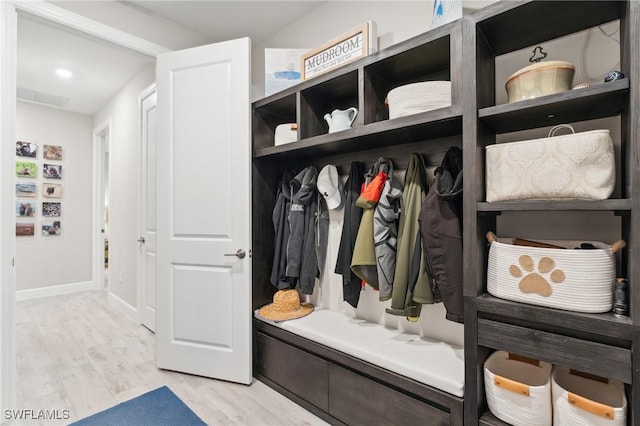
280 219
441 233
302 263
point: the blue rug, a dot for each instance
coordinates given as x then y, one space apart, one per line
160 407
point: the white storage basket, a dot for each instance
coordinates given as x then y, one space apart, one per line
580 400
518 391
420 97
574 166
574 280
285 133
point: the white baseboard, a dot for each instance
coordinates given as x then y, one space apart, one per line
124 307
54 290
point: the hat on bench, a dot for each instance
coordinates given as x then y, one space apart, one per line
286 306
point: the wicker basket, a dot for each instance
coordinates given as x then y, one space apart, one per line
286 133
563 278
581 399
419 97
518 389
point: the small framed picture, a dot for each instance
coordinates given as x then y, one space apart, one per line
50 228
25 189
26 149
24 229
52 190
51 209
52 152
25 169
25 208
52 171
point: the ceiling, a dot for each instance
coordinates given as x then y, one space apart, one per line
101 69
226 20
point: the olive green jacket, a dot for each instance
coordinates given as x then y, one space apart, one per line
404 302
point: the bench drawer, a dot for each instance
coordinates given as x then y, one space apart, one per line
301 373
356 400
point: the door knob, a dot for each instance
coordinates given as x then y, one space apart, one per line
141 240
240 254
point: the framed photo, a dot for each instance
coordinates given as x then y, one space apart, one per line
25 169
445 11
52 171
52 152
51 209
281 69
26 189
52 190
25 208
26 149
50 228
24 229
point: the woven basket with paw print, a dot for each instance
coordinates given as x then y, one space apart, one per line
553 273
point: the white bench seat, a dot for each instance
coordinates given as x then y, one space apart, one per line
434 363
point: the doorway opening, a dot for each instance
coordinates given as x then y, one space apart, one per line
101 138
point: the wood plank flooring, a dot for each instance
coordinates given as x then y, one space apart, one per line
77 353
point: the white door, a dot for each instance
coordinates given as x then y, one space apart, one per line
148 184
203 310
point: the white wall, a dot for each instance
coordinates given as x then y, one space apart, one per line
396 21
124 166
66 259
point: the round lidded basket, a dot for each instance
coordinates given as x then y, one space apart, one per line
540 79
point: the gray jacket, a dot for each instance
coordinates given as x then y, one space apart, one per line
385 233
281 228
302 262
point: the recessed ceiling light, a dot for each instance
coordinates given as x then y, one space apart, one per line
64 73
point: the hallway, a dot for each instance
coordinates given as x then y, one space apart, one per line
75 352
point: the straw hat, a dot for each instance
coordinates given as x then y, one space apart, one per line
286 306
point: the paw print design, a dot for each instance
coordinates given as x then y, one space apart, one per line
533 282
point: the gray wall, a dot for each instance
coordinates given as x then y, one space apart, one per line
65 259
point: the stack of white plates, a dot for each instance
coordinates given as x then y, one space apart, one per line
418 97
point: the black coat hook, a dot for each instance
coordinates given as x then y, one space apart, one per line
537 51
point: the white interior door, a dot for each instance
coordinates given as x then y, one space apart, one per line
203 311
148 209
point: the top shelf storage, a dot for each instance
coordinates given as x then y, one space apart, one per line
505 31
364 84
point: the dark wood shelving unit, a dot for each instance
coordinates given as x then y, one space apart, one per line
619 206
328 382
602 100
602 344
601 326
429 125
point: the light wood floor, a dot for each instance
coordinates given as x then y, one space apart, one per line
75 352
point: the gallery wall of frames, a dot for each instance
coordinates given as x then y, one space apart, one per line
39 189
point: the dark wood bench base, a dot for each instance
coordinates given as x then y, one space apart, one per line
342 389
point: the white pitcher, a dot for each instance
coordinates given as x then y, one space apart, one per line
341 119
